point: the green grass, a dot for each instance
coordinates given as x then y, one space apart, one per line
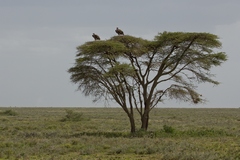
72 116
103 133
8 112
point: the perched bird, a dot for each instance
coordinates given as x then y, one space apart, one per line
119 31
96 37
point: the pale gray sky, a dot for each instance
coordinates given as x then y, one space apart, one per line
38 41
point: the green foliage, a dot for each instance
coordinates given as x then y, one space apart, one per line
100 48
9 112
133 45
123 68
205 40
72 116
168 129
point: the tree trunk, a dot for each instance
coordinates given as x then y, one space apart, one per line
132 123
145 119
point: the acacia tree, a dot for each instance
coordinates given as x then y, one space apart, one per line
137 73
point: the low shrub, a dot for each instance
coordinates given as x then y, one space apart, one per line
168 129
9 112
72 116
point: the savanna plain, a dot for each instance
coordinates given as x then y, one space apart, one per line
104 133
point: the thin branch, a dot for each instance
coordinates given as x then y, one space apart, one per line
161 68
179 59
174 73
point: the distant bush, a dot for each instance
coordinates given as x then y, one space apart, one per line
9 112
168 129
72 116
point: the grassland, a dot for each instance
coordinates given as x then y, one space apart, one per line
103 133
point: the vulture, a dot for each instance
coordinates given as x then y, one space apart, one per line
96 37
119 31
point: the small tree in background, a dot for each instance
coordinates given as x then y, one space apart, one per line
138 73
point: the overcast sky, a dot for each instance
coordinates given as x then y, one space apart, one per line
38 41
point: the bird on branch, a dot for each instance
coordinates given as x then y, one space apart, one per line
119 31
96 37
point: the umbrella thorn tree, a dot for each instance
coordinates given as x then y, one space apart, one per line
137 73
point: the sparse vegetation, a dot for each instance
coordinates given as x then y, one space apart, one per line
100 133
72 116
8 112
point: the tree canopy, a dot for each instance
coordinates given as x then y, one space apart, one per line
138 73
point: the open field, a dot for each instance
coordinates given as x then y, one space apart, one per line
103 133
